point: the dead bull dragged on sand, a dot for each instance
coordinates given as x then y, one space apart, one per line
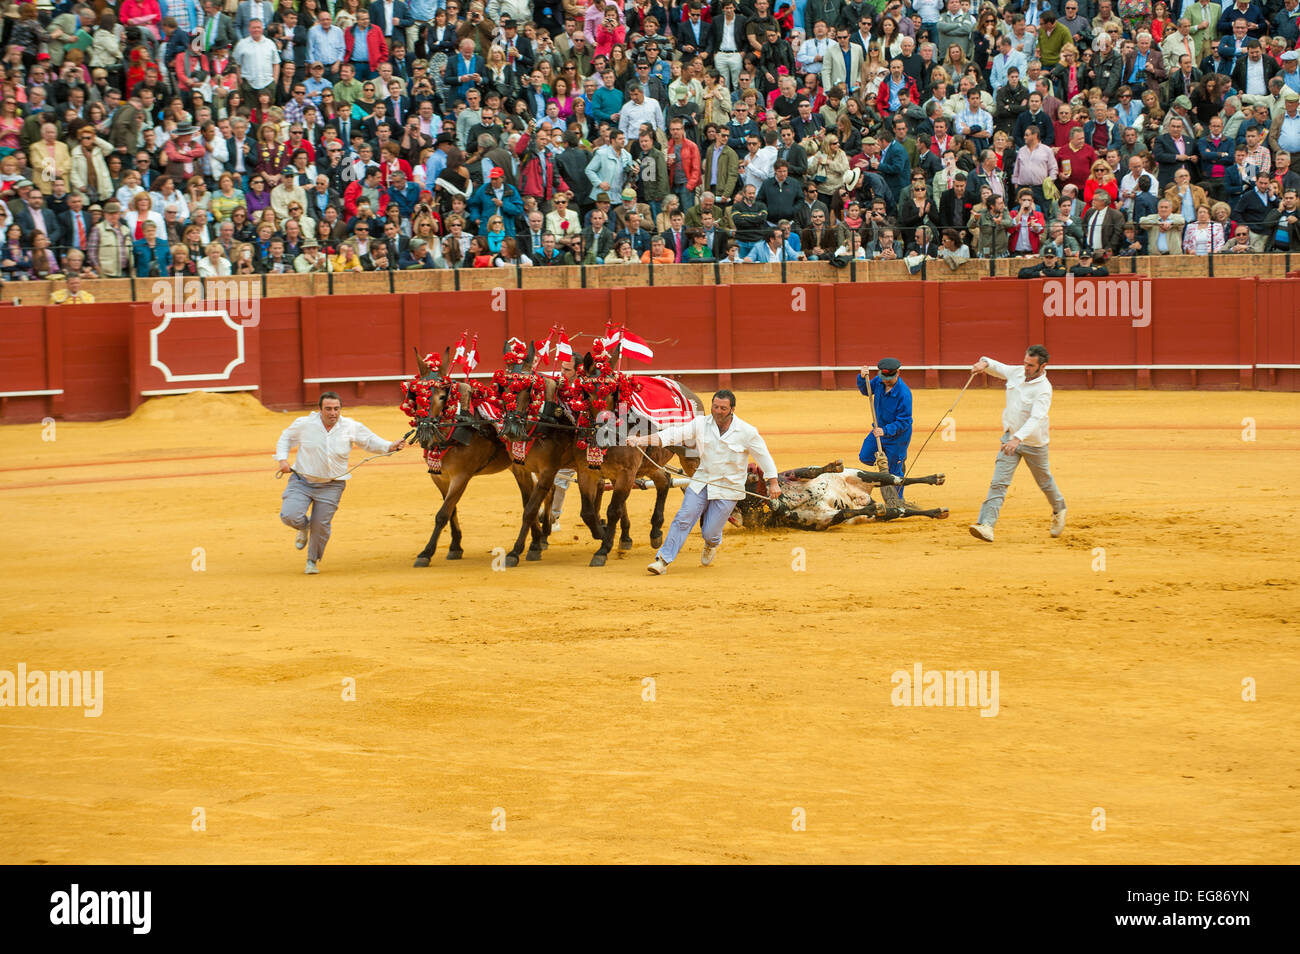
818 498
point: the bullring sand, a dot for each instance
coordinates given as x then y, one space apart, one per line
150 549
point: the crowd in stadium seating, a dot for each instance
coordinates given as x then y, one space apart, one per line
215 137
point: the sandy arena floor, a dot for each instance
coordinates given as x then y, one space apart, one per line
522 690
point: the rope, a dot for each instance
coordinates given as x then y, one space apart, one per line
941 420
681 473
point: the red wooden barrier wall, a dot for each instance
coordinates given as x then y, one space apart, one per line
743 336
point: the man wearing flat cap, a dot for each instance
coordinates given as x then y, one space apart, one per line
893 418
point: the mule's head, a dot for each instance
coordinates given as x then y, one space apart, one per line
515 424
427 397
596 397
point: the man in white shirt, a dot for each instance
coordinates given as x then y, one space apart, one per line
637 110
259 60
1025 434
724 443
728 58
324 441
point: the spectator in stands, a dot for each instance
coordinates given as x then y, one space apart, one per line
71 293
152 254
170 119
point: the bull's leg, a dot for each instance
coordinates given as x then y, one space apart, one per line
451 492
808 473
841 515
937 513
881 477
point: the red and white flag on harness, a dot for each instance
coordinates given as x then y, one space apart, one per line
563 350
542 350
458 353
471 356
631 345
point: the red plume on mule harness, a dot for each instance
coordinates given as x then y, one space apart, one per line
455 422
523 397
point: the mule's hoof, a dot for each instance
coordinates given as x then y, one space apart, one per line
597 560
625 544
455 554
546 544
656 540
512 559
421 561
532 556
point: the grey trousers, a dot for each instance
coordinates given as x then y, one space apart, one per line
729 66
323 499
1005 469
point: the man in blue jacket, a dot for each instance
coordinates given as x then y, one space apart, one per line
496 197
893 402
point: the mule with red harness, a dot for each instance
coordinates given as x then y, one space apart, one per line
605 405
458 439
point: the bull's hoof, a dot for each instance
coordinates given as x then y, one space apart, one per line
512 559
835 468
939 479
942 514
455 554
597 560
625 544
421 561
532 556
656 540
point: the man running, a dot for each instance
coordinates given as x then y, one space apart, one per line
1025 434
725 444
324 440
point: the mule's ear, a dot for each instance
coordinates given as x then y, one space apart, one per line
587 363
614 352
446 361
532 354
424 368
505 348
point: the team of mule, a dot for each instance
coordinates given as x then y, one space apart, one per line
536 423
